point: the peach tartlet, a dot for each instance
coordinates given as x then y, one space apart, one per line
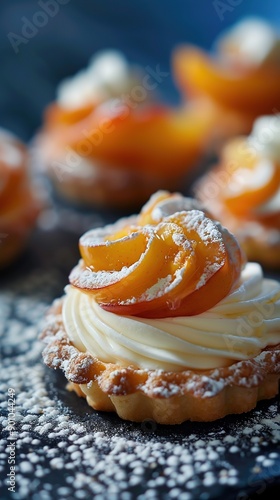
105 141
19 205
243 191
239 83
159 319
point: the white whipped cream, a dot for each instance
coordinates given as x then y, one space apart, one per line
10 151
265 137
252 41
237 328
107 76
254 179
272 206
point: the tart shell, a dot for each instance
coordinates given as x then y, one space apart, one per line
259 249
165 397
110 187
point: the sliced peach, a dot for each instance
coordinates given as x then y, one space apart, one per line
145 216
240 163
56 116
11 178
114 255
155 140
182 265
270 220
255 90
248 200
199 288
219 285
134 273
147 140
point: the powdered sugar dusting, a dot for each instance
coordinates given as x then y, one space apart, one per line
177 203
210 270
87 278
195 220
158 288
95 236
207 229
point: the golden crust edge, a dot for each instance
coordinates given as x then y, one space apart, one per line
140 395
138 407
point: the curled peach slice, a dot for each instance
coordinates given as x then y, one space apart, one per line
182 264
255 90
248 199
270 220
129 265
163 204
19 206
13 178
216 271
152 139
146 214
251 180
56 116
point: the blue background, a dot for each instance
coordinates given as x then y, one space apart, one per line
145 30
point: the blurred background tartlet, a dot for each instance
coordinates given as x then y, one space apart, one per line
236 83
19 201
243 190
108 141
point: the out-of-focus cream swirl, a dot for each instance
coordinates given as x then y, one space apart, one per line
108 75
237 328
252 41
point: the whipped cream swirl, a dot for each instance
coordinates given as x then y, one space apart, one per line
237 328
108 75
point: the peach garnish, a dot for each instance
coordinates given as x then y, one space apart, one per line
153 139
251 180
13 179
251 90
159 265
19 205
56 116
